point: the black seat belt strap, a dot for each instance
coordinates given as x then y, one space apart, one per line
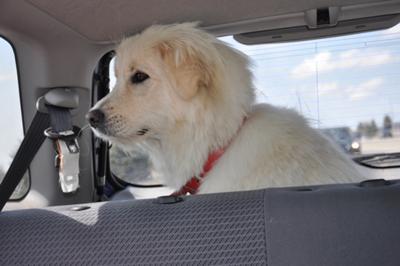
24 156
60 118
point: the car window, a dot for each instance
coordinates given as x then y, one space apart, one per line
10 116
346 87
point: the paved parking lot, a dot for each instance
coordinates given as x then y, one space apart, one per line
380 145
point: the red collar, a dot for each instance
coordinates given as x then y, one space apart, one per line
193 184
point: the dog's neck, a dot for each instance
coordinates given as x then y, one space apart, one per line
181 154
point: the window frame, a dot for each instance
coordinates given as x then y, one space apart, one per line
24 126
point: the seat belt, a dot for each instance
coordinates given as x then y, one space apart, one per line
53 110
24 156
66 145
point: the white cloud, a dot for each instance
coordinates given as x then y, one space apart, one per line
353 92
325 62
364 89
327 88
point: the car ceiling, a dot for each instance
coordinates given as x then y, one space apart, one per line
107 21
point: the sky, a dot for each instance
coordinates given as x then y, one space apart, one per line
333 82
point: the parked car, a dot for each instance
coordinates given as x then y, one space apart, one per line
344 138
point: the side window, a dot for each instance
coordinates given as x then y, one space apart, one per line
12 131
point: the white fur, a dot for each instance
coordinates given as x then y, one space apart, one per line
273 147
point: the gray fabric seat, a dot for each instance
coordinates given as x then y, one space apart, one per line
329 225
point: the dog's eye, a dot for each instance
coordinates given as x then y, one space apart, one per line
139 77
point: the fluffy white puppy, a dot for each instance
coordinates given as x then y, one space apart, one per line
183 95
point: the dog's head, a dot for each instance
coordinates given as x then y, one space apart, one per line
165 75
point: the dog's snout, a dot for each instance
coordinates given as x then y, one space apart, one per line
95 118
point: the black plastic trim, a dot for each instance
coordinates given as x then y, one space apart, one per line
100 88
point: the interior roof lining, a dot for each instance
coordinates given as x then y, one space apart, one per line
229 17
51 16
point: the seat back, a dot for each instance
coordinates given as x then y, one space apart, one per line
326 225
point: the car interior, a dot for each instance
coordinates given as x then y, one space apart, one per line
67 197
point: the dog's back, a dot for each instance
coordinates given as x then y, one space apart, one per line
276 147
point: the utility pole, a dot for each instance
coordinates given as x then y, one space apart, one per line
316 82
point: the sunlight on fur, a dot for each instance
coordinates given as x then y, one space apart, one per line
181 94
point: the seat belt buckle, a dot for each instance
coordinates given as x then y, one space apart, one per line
68 163
59 103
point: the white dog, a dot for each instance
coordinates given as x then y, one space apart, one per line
188 99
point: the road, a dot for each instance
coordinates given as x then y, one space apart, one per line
380 145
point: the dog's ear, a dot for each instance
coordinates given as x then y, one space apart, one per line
189 67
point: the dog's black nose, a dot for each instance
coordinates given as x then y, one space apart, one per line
95 118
